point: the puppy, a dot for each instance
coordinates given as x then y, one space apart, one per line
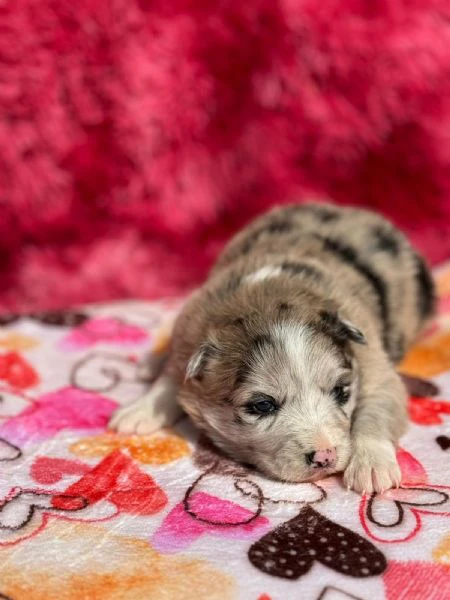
285 358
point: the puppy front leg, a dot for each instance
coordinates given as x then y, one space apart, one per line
151 367
379 420
155 409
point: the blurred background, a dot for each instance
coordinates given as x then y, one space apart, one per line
137 135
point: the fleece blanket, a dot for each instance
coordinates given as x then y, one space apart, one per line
89 514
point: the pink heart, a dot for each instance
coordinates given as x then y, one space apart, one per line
179 529
416 581
412 470
103 330
67 408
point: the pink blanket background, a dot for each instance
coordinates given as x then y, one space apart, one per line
137 135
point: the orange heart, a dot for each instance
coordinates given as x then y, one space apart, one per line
441 553
17 341
428 358
157 449
443 283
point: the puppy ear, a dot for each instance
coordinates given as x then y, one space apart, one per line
341 328
199 360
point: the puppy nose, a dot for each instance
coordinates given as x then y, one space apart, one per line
321 458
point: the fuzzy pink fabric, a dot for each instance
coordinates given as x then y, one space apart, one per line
136 135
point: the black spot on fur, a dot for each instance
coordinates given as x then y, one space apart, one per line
385 241
233 283
294 268
230 286
350 256
279 227
259 342
237 419
426 290
250 242
347 360
324 214
398 348
341 330
257 345
284 306
270 228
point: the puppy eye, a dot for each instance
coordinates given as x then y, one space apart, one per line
341 394
262 405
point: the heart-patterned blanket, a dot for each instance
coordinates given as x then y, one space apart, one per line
85 513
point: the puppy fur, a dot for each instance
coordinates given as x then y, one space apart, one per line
305 314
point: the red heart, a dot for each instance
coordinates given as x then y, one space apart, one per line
46 470
17 371
425 411
68 503
117 479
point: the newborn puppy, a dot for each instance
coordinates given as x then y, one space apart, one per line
286 356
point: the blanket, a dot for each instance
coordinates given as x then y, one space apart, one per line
85 513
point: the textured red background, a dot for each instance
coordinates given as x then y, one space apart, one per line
136 135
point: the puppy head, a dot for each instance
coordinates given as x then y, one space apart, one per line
277 391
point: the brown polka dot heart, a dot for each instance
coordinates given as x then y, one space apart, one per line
419 387
289 551
443 441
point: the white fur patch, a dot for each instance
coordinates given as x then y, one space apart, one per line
263 274
296 341
307 363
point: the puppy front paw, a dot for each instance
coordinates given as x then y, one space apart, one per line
373 467
136 418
